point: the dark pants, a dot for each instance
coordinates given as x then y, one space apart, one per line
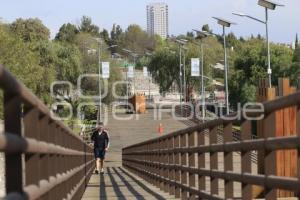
99 153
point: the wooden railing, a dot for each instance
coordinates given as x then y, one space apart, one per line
191 164
43 158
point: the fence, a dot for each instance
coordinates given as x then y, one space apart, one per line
187 163
43 158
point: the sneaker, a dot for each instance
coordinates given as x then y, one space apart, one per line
96 172
102 171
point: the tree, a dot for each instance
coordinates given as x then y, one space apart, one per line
231 40
164 65
87 26
248 93
206 28
30 30
250 65
67 33
190 34
105 36
296 56
68 62
162 68
20 60
294 73
137 40
296 41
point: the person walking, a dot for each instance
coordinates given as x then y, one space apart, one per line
100 137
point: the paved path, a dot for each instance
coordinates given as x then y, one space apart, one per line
118 183
140 128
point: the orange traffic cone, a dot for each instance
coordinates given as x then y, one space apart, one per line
160 128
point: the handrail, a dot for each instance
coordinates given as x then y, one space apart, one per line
58 163
169 161
270 106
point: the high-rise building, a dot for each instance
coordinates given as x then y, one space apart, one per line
157 19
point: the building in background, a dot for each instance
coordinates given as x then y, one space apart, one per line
157 19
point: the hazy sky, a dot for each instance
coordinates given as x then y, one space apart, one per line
184 15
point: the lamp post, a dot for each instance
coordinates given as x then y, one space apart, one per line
149 76
134 55
184 74
267 5
225 23
202 35
181 44
99 115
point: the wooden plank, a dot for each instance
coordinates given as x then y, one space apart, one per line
270 156
280 154
298 150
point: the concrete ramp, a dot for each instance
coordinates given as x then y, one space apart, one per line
139 128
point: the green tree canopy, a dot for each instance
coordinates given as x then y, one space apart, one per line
87 26
67 33
30 30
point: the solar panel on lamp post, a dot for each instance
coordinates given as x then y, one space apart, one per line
225 23
267 5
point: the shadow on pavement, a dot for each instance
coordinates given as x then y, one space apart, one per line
115 186
102 187
128 185
142 185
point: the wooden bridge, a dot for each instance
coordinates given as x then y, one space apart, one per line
45 160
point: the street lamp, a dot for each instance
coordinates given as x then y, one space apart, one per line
267 5
148 54
202 35
99 40
181 43
225 23
134 55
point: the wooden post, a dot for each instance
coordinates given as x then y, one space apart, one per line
192 177
298 150
270 156
177 172
214 185
228 161
247 189
183 163
285 125
201 161
171 162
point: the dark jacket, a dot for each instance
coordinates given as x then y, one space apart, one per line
101 141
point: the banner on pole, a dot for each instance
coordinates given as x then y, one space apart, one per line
105 69
195 67
145 71
130 72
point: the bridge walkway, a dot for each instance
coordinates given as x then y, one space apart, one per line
117 182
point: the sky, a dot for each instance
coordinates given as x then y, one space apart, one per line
184 15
